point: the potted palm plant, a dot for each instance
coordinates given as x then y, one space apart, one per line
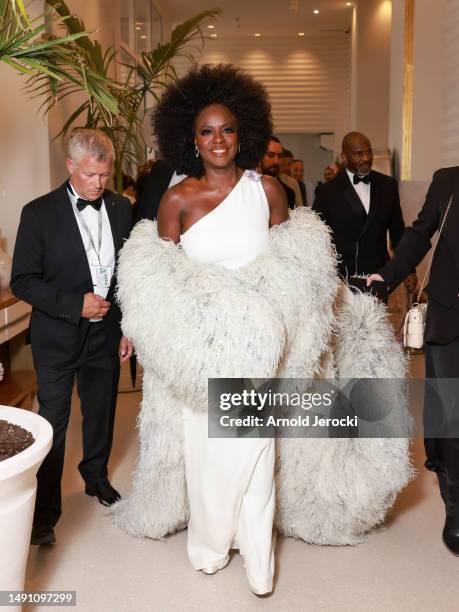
155 69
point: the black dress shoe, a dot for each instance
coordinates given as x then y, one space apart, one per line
104 492
42 535
451 535
451 529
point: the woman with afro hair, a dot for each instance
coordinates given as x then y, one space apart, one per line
214 126
225 285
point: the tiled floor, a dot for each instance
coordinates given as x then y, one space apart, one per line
401 567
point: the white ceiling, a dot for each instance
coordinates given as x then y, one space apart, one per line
269 17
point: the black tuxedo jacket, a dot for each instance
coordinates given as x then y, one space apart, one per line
155 185
443 288
289 193
303 192
360 238
51 272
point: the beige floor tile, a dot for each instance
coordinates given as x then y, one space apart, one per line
401 567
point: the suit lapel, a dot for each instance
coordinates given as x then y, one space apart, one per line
72 231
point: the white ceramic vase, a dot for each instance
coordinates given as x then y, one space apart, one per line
18 487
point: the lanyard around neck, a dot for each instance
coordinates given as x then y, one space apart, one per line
88 231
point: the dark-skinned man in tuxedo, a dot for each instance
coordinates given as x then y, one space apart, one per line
361 206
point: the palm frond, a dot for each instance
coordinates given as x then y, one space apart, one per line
20 10
75 61
25 47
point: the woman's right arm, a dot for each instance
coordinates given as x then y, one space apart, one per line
169 216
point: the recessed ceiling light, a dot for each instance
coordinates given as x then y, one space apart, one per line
211 26
316 11
138 28
143 36
257 34
213 36
348 3
300 33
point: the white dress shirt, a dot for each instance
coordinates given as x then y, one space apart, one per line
362 189
107 248
310 193
176 179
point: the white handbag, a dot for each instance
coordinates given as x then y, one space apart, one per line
415 319
415 324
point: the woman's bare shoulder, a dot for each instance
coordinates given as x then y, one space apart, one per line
174 205
179 193
270 185
277 200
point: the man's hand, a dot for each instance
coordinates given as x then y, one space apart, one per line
374 277
94 307
126 349
411 282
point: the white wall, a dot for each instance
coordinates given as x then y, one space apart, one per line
434 102
371 65
24 162
428 88
308 79
449 146
307 148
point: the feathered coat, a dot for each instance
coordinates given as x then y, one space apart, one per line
285 314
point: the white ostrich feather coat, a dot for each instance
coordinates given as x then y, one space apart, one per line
287 315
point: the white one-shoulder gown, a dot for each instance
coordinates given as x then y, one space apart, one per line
230 481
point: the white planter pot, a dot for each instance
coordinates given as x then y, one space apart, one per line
18 487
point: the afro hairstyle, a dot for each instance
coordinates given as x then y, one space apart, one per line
175 116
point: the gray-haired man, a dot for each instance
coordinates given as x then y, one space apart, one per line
63 265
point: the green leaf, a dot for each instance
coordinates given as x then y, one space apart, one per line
19 5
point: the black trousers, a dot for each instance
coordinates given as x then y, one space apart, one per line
441 410
97 373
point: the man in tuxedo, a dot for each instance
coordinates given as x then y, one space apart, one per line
63 265
308 190
441 402
155 184
360 206
270 165
285 176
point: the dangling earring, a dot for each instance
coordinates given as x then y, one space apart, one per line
239 147
196 150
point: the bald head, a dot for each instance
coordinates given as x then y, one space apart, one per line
357 154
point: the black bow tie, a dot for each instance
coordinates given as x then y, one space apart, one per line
96 204
361 179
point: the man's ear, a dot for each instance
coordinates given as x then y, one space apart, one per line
70 165
343 158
